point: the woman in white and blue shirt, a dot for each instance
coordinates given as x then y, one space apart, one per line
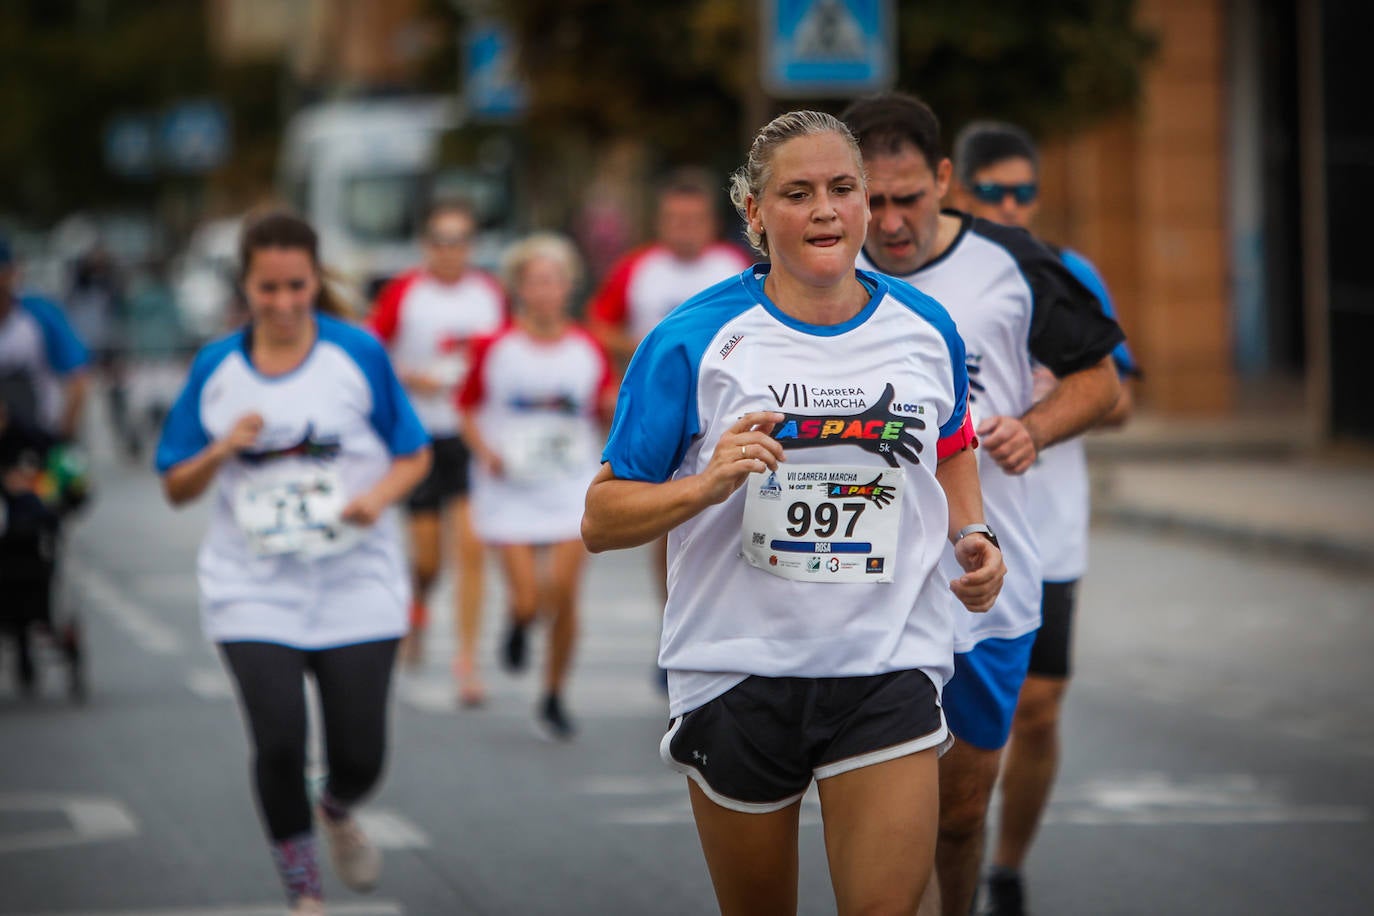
301 427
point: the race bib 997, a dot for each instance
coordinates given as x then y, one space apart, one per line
823 523
297 513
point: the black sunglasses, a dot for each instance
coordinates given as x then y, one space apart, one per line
990 192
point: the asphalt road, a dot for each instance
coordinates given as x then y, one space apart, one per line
1220 742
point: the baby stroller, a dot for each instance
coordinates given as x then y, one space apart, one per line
40 482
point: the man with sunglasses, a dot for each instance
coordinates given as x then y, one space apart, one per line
996 172
428 318
1015 305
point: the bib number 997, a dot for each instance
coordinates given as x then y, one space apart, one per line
824 521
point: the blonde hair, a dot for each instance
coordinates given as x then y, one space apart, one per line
750 179
551 245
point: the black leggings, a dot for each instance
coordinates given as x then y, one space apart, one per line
353 684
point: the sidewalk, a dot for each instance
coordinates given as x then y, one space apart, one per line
1250 480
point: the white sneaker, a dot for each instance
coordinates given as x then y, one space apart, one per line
356 861
308 906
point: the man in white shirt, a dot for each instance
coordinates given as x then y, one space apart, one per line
428 318
1014 304
996 177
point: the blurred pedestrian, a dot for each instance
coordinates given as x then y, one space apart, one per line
685 258
301 427
996 177
44 365
43 384
534 405
428 319
800 433
96 307
1014 302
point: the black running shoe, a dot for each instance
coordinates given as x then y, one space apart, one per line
1004 894
552 722
515 649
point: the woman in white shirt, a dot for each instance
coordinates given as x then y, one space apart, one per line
801 433
299 424
533 406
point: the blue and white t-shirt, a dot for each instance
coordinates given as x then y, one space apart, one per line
881 395
339 417
1060 508
1015 304
37 350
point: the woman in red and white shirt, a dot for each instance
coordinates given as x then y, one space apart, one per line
534 405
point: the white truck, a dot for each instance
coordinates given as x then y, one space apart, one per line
363 172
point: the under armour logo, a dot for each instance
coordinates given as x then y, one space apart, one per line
699 756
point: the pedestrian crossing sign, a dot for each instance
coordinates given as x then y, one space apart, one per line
815 48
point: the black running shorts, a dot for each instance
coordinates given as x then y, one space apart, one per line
757 747
1050 653
447 478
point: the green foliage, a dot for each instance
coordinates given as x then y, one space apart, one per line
68 68
682 75
1051 65
72 65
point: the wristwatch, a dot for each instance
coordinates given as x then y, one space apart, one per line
978 528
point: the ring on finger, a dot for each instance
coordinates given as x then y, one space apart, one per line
744 451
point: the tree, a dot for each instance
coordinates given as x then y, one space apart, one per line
681 75
70 66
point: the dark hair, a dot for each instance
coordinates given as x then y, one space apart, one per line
985 143
688 180
441 206
750 179
283 229
884 123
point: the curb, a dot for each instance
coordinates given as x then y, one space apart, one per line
1327 549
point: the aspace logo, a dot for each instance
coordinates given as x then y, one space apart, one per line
873 491
324 448
877 430
559 402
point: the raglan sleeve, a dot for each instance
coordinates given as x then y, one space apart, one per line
1089 276
183 434
1069 331
656 416
392 416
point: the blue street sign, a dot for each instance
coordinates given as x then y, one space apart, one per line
814 48
131 146
492 87
195 136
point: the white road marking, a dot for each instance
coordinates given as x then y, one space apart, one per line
210 684
101 594
92 819
589 697
1144 800
389 829
1157 799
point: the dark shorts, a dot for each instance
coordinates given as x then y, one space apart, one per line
756 747
980 699
1050 656
447 478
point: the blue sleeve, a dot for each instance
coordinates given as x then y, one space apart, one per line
183 435
1087 274
64 350
655 414
392 415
